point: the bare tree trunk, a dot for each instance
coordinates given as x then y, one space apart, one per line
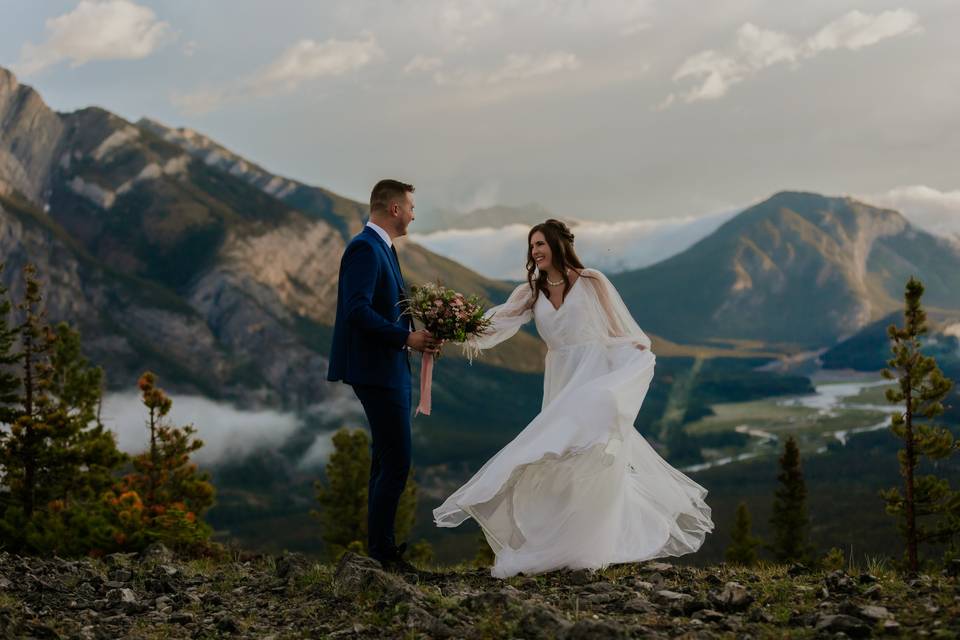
908 478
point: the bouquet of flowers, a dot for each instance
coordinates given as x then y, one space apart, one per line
447 315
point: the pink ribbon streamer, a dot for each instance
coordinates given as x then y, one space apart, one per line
426 381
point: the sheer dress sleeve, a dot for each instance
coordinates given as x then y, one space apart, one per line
507 320
614 317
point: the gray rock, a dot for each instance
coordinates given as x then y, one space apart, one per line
597 599
121 596
227 624
708 615
120 575
582 576
638 605
874 613
542 623
873 592
733 597
595 630
357 574
290 565
669 597
890 627
421 620
181 617
157 552
853 627
505 600
600 587
839 582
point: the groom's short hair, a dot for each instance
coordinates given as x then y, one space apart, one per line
385 192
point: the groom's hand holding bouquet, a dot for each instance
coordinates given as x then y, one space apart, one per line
447 315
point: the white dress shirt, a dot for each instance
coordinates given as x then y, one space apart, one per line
380 232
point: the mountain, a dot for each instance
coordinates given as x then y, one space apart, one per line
171 253
798 270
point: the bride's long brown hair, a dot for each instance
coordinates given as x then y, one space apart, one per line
560 240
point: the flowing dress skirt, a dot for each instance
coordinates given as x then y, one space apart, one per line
579 487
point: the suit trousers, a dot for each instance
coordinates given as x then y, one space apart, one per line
389 415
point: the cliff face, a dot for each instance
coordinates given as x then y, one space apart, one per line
30 136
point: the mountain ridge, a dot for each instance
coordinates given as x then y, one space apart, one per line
797 268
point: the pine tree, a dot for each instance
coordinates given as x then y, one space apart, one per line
922 388
485 557
9 359
57 458
343 499
789 519
742 549
166 496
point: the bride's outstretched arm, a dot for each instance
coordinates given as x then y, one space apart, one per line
614 315
506 318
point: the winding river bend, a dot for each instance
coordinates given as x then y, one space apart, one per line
828 400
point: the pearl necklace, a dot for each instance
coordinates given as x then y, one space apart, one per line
556 284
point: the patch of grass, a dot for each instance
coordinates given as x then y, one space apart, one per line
317 575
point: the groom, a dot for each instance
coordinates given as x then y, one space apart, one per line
370 352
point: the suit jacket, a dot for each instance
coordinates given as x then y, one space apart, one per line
369 334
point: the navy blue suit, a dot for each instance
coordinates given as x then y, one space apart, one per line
369 353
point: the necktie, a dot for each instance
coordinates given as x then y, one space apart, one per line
397 258
393 249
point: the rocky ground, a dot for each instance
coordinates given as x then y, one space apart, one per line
158 596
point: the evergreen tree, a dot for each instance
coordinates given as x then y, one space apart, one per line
343 499
166 496
485 556
9 358
922 387
681 447
789 519
742 549
57 458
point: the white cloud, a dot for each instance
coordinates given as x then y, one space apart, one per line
459 20
715 72
931 209
301 62
308 59
756 48
227 432
318 452
96 30
857 30
609 246
422 63
516 66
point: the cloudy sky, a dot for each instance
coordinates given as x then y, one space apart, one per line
611 110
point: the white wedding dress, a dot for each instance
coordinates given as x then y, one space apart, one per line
579 487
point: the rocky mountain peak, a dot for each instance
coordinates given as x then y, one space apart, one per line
30 135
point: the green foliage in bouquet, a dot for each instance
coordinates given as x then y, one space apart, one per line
445 313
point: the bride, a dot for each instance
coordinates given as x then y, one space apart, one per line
578 487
